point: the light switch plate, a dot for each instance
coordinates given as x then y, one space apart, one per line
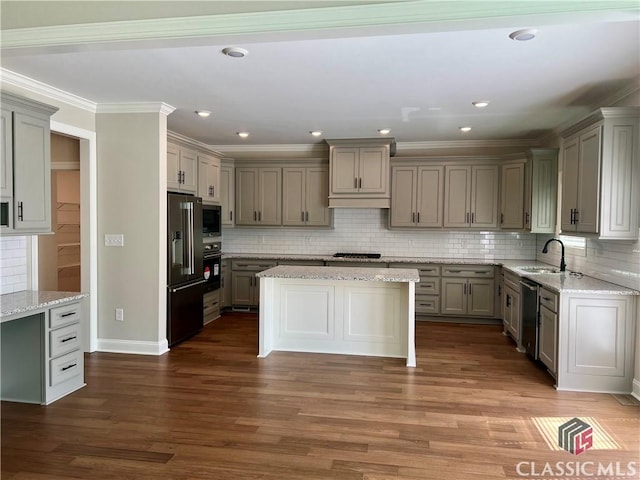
113 240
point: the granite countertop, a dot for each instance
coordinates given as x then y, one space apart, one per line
342 273
558 282
564 282
26 301
331 258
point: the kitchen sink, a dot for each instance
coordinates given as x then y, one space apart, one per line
539 269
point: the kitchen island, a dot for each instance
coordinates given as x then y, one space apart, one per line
42 358
346 310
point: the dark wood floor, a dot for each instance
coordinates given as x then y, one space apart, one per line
211 410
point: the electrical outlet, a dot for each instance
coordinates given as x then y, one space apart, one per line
120 314
114 240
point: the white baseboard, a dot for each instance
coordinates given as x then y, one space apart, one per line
636 389
132 346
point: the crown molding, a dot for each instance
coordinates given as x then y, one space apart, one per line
274 148
437 145
426 13
142 107
8 77
192 143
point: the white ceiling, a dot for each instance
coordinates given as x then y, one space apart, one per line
418 79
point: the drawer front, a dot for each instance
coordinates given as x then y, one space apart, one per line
549 299
65 367
252 265
65 339
428 286
468 271
64 315
424 270
512 280
427 305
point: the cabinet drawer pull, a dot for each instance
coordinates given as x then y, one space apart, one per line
68 339
455 271
68 367
546 298
483 272
64 315
426 304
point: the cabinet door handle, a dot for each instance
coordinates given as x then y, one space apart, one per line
467 218
418 217
470 289
571 217
231 215
255 216
526 218
213 191
179 176
501 218
306 216
360 183
20 212
499 290
259 216
508 300
576 216
473 218
413 217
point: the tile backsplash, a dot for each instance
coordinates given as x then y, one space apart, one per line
13 264
614 261
365 230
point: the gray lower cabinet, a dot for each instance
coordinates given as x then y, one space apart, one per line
245 286
211 306
511 316
427 300
467 290
54 370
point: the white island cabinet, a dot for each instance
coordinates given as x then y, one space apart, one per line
355 311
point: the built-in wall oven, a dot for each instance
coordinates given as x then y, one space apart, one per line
211 266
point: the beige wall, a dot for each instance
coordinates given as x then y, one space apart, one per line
131 185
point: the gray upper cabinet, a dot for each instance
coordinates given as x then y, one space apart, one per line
182 169
417 194
208 178
227 193
600 191
512 181
305 196
258 196
25 165
359 173
541 190
471 196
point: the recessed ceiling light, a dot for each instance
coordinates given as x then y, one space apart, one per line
523 35
203 113
480 104
235 52
243 134
315 133
384 131
465 129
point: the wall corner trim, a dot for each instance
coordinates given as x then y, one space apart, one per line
636 389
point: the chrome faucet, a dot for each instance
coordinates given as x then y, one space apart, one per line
563 265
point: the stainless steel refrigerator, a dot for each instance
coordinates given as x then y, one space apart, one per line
185 279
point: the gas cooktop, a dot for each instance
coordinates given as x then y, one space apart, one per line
356 255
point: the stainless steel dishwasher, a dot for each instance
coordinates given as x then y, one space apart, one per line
529 314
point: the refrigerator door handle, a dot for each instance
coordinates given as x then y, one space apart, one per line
191 246
184 287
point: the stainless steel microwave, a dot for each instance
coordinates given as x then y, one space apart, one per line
211 220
